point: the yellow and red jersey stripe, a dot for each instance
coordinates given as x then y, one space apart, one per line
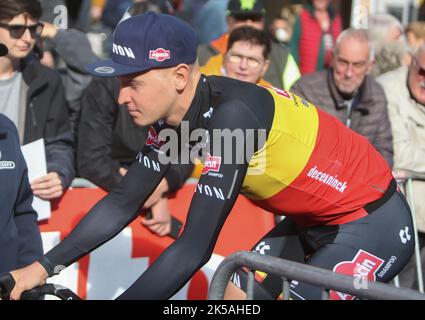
312 168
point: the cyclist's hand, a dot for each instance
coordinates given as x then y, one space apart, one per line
157 194
161 218
28 278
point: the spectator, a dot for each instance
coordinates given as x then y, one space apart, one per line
415 34
110 141
210 20
315 32
16 213
246 58
283 70
34 97
405 91
387 37
281 30
113 11
349 93
390 57
384 28
20 240
70 64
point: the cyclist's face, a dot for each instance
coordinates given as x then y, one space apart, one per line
19 47
351 64
149 96
245 62
417 77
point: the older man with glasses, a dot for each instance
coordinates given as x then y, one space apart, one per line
405 91
33 96
348 92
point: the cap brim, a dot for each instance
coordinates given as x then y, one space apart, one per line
109 68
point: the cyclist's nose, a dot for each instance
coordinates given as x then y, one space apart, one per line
123 96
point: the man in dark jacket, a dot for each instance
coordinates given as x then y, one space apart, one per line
34 96
20 240
349 93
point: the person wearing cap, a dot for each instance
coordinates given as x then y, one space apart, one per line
35 100
288 157
283 71
109 140
20 241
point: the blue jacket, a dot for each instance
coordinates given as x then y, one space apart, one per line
20 239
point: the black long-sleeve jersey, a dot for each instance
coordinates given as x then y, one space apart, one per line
287 156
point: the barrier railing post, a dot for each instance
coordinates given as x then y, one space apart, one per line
304 273
410 199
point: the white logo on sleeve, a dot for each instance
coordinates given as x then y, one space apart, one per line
6 164
404 235
210 192
209 113
262 247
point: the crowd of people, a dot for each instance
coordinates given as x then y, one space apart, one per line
372 80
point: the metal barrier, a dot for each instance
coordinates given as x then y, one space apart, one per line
408 190
82 183
286 269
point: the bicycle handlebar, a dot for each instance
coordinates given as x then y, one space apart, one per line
61 292
7 283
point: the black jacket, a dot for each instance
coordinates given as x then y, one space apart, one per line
109 139
47 117
20 240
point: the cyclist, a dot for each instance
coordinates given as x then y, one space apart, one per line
293 159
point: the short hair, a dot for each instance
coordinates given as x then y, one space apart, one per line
251 35
389 58
378 26
417 28
12 8
358 34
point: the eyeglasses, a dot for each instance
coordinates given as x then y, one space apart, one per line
419 70
251 61
16 31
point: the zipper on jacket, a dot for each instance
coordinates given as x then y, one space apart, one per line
34 121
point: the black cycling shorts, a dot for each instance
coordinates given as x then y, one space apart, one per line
376 246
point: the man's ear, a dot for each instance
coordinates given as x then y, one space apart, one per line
181 73
264 68
370 66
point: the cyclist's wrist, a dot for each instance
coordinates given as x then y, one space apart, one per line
42 272
47 267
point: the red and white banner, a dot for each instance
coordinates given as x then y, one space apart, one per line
113 267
